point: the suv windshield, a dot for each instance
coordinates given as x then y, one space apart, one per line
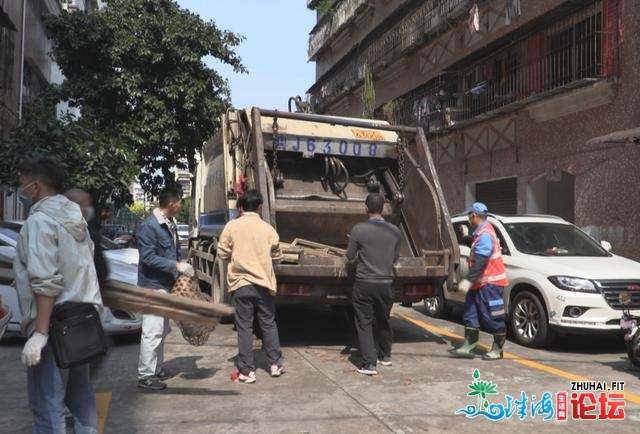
550 239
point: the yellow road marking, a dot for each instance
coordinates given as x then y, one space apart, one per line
530 363
102 406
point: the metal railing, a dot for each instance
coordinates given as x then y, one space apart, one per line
332 23
409 33
565 54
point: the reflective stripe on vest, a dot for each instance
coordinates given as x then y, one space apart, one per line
494 273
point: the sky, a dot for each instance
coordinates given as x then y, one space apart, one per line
274 51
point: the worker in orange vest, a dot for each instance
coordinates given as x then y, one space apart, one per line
484 302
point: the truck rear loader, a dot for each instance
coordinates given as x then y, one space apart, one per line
314 173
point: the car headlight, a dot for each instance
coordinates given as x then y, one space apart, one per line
576 284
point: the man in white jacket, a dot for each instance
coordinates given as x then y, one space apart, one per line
53 265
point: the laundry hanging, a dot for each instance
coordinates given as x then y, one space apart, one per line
512 9
474 19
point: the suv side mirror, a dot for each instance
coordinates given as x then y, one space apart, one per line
606 245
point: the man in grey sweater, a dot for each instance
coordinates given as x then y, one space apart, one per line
375 246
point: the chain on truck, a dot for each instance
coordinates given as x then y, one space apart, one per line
315 172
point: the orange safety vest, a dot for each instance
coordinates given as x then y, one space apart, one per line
494 273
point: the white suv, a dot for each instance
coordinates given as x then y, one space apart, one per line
560 279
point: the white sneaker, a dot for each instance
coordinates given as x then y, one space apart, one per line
368 370
277 370
386 361
248 378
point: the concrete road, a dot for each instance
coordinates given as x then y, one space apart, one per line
322 393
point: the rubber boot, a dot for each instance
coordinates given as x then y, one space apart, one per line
470 342
496 348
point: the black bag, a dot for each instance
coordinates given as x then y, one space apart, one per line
76 334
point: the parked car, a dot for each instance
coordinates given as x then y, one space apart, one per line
183 233
560 279
5 316
112 231
123 265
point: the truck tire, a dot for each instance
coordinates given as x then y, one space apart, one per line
435 306
220 290
633 349
528 320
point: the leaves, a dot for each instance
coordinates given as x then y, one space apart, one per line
95 161
482 388
136 68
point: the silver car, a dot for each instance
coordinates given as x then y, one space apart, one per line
123 266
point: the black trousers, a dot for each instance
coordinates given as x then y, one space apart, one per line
246 301
372 302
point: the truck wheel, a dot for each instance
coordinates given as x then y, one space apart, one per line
633 349
435 306
220 290
528 321
341 312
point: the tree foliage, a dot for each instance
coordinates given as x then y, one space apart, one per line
137 68
368 95
94 161
139 209
183 217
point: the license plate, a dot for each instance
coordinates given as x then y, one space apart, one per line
627 323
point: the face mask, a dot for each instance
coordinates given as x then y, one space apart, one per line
23 195
91 212
26 200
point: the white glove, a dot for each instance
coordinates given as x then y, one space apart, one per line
185 268
32 350
464 285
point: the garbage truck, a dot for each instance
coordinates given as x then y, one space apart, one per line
314 173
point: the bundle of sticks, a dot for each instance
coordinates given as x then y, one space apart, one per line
120 295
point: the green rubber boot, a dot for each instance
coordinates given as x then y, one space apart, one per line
470 342
496 348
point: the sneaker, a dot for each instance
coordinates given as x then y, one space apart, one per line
164 375
242 377
368 370
277 370
386 361
151 383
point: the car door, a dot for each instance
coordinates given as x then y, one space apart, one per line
463 230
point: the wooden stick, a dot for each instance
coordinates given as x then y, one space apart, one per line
117 302
189 304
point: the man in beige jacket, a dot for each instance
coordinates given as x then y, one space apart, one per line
250 245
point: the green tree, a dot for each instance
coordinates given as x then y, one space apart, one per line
183 217
94 161
136 67
139 209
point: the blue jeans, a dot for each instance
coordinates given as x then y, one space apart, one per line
485 306
51 388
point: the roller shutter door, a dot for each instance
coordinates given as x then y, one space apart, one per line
501 197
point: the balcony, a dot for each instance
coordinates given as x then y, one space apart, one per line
331 24
572 52
404 36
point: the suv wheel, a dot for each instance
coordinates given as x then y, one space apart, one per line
528 320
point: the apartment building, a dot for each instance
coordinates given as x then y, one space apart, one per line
529 106
26 67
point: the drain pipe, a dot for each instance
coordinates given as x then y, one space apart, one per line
23 30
